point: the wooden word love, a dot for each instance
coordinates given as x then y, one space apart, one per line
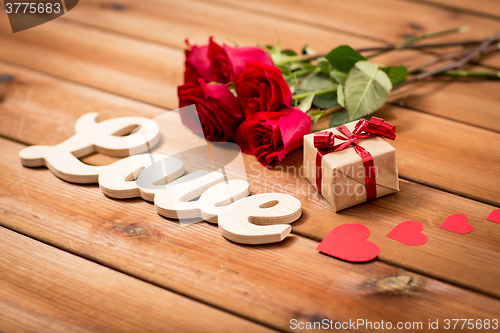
256 219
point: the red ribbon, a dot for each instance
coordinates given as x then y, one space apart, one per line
325 143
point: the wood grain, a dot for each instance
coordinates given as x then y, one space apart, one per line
171 22
27 120
386 20
199 21
453 156
469 101
136 69
152 77
270 284
43 289
490 8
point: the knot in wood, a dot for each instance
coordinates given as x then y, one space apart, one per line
117 6
6 77
395 283
134 230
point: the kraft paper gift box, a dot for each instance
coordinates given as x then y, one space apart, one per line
343 173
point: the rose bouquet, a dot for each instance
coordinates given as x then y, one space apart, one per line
266 99
241 96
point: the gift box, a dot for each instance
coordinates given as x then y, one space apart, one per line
352 163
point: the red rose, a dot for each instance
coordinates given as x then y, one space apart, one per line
261 87
217 63
228 62
269 136
197 64
218 110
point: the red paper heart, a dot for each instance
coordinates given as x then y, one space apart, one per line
457 223
494 216
408 233
348 242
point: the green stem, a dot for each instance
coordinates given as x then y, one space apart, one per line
476 51
318 93
419 69
330 111
301 72
458 73
409 42
303 58
432 35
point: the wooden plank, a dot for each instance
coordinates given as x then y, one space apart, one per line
443 102
99 59
151 18
385 20
171 22
490 8
30 95
27 121
200 20
395 20
140 79
446 154
197 21
43 289
270 284
471 101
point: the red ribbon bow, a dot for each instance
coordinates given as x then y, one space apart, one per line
325 143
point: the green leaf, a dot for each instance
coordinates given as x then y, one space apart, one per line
307 50
343 58
315 115
232 89
293 83
342 117
338 76
396 74
285 71
275 54
289 52
324 66
317 82
326 101
339 118
366 89
340 95
306 103
295 66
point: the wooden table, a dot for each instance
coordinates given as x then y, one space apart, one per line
73 260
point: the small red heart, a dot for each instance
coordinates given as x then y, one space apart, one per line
348 242
494 216
408 233
457 223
